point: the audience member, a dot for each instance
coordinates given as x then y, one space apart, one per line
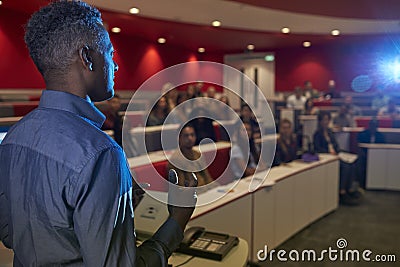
332 92
211 92
369 136
390 110
171 94
352 109
159 113
379 101
187 159
309 108
199 89
296 100
211 102
66 190
225 111
343 118
203 125
113 119
309 91
325 142
244 154
286 145
247 115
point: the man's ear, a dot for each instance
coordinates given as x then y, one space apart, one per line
85 57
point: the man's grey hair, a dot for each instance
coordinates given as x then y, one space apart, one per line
56 32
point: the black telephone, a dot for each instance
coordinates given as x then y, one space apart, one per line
210 245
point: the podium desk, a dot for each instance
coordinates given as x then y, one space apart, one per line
236 257
382 166
291 197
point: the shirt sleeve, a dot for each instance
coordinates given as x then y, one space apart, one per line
103 217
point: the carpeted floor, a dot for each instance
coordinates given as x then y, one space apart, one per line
374 225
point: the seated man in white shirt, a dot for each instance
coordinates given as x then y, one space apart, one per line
297 100
390 110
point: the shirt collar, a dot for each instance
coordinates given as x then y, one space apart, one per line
72 103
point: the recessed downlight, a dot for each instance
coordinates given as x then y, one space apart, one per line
335 32
1 2
161 40
216 23
116 30
285 30
134 10
250 47
306 43
201 50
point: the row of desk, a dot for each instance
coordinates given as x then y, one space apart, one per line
383 166
290 197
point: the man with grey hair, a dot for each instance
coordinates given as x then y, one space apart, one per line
66 191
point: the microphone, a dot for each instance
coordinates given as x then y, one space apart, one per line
182 196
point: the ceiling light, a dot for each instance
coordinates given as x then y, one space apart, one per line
161 40
335 32
116 30
134 10
216 23
285 30
201 50
306 44
250 47
1 2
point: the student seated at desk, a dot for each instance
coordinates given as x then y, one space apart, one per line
203 125
309 108
369 136
186 160
244 154
286 145
159 112
390 110
343 119
325 142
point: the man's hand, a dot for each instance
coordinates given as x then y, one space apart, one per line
181 200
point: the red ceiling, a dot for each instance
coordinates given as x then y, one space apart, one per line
191 36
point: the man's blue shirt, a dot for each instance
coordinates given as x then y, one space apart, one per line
66 192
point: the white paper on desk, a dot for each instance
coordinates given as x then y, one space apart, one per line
347 157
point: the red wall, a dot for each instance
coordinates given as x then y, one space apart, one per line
372 56
16 68
138 59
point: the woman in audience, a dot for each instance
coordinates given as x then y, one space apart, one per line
325 142
286 145
203 125
159 113
247 115
244 155
343 118
225 112
172 98
390 110
309 108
